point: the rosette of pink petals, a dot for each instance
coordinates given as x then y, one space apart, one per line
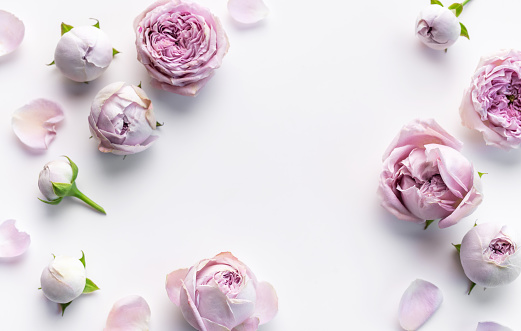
12 32
12 241
419 302
35 123
130 313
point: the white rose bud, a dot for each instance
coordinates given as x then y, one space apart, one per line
437 27
63 280
57 171
83 53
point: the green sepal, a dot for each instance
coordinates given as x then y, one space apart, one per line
159 124
64 306
82 260
61 189
482 173
66 28
472 284
50 64
427 223
456 8
457 246
464 31
436 2
97 23
52 202
139 85
90 286
74 168
114 52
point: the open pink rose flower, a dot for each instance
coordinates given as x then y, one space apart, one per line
222 294
180 44
426 178
492 103
12 241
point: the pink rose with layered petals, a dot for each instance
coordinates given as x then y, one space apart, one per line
222 294
492 103
425 177
180 44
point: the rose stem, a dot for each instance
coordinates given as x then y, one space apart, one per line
464 3
76 193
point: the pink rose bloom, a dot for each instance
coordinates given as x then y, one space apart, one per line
180 44
492 104
221 294
425 177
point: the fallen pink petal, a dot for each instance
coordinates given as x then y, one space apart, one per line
419 302
247 11
130 313
491 326
35 123
12 241
12 32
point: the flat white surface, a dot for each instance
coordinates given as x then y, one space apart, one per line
276 160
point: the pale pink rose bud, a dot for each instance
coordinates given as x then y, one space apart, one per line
492 103
63 280
57 171
490 255
180 44
222 293
122 119
83 53
437 27
426 178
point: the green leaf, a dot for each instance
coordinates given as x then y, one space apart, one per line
74 169
50 64
52 202
139 85
436 2
64 306
475 224
464 31
90 286
472 284
97 23
61 189
482 173
159 124
457 246
427 223
114 52
456 8
82 260
66 28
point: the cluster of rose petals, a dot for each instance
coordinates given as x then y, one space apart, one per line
180 44
425 177
130 313
247 11
490 255
12 241
223 294
418 303
491 326
492 103
83 53
122 119
63 280
12 31
35 123
437 27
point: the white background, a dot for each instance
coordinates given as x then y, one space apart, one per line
276 160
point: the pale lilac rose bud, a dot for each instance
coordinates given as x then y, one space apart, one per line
222 293
491 326
492 103
418 303
437 27
122 119
83 53
63 280
490 255
180 44
426 178
12 31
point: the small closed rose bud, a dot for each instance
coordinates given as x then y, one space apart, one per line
437 27
490 255
83 53
63 280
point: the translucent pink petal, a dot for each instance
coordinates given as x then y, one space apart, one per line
12 32
491 326
247 11
131 313
251 324
267 303
12 241
35 123
174 282
418 303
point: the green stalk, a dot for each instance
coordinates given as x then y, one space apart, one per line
464 3
76 193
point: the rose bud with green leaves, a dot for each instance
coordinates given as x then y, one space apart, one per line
64 279
58 180
438 27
